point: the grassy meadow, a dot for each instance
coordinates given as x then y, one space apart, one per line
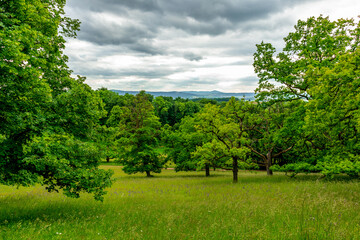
189 206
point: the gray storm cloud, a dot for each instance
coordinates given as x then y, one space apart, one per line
170 37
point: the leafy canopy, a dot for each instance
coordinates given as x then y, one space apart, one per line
319 64
44 112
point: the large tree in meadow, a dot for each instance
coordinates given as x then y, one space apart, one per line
44 111
272 131
319 64
228 132
139 133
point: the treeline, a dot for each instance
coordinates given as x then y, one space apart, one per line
305 118
238 135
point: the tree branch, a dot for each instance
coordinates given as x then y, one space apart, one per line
283 151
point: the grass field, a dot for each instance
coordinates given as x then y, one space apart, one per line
188 206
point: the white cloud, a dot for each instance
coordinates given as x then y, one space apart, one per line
183 45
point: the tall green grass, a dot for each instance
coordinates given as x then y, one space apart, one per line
189 206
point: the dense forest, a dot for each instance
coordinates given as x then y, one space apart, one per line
55 129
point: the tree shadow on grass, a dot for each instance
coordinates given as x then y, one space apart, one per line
244 176
194 175
280 177
31 209
319 177
174 175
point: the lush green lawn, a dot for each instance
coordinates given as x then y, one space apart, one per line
188 206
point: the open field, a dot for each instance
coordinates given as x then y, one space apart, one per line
189 206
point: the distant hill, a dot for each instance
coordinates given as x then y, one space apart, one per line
193 94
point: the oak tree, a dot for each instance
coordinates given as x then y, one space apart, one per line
227 130
39 120
320 65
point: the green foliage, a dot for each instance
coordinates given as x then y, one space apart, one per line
327 168
319 64
181 143
42 107
295 168
71 165
229 136
211 153
172 111
336 164
110 100
162 106
273 131
317 43
78 110
204 101
139 132
105 138
116 116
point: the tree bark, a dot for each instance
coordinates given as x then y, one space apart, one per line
235 169
107 159
268 164
207 170
148 174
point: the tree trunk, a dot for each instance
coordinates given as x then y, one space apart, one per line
268 164
107 159
148 174
207 170
235 169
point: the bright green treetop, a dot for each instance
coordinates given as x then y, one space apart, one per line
319 64
228 132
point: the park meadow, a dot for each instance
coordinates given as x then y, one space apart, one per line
80 163
188 205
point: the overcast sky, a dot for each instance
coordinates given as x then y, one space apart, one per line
179 45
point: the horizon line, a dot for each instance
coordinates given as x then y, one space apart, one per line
177 91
